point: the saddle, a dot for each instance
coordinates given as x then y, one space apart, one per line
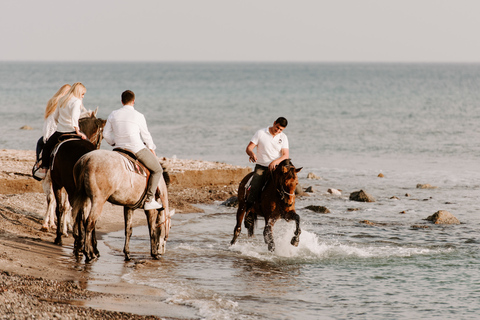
134 165
62 139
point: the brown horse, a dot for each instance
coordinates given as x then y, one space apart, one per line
103 176
277 200
61 172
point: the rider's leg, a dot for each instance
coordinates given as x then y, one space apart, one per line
256 185
151 162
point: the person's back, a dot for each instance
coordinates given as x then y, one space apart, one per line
128 125
127 128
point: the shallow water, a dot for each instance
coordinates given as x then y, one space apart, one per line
341 269
415 123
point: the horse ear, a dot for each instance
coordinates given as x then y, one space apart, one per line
298 170
94 113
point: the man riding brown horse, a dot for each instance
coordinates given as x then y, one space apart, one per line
272 148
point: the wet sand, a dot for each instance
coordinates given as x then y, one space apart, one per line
42 280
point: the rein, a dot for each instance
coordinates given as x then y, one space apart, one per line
97 137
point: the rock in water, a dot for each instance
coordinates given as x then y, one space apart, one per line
319 209
361 196
443 217
231 202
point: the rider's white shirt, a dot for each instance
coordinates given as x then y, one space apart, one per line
67 117
269 147
127 128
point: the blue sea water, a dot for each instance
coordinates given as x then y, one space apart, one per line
415 123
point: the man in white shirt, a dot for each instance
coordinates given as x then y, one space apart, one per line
127 128
272 148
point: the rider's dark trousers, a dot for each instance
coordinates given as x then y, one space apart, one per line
256 184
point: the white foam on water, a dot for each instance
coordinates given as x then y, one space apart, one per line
311 247
209 304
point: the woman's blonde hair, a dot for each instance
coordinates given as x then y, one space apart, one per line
75 91
52 103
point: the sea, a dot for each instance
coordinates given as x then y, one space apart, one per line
415 123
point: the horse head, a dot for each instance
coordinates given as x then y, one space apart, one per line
93 128
286 180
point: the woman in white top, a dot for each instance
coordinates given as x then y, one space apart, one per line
66 118
49 125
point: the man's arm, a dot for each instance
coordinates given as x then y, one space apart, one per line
274 163
252 156
108 133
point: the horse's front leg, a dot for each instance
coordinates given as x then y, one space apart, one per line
268 234
154 233
127 215
161 225
296 238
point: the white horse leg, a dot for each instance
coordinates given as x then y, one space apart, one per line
49 219
127 214
67 219
164 218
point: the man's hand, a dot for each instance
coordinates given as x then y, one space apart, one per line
273 165
253 158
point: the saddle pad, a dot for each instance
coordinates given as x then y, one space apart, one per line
134 165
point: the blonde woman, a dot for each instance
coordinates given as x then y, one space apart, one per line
49 125
66 117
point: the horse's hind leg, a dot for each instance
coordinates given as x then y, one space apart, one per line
250 222
49 220
238 226
90 242
60 212
268 234
127 214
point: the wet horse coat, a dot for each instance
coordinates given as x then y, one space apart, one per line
277 200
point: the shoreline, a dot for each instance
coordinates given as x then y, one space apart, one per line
31 265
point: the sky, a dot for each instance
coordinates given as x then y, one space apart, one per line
242 30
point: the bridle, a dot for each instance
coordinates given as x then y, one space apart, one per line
97 137
281 189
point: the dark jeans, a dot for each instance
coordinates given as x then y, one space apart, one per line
256 184
49 145
39 148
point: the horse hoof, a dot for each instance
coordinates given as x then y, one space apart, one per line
44 229
295 241
58 242
127 258
156 256
271 247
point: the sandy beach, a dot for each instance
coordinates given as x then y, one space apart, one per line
41 280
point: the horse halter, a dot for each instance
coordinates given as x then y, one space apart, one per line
97 137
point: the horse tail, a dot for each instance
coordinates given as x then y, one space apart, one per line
80 193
